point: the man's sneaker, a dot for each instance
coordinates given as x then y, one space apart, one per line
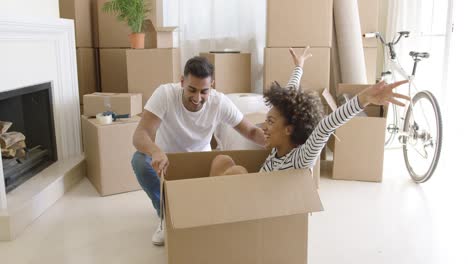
158 237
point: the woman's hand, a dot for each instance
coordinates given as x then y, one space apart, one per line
382 94
299 61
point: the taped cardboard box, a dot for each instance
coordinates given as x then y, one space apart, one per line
359 152
109 151
252 218
120 103
82 12
88 74
114 33
232 71
369 18
147 69
299 23
279 66
113 70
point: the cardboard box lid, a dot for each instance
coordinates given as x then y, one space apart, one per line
120 121
113 94
165 29
228 199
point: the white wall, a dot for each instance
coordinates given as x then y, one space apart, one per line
29 8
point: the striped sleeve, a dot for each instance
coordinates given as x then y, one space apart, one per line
295 78
307 153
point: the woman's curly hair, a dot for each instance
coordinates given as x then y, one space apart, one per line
303 110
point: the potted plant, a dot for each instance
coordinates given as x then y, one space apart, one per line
134 13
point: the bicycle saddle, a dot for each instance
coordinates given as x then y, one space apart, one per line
419 55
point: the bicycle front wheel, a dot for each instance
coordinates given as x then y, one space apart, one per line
422 139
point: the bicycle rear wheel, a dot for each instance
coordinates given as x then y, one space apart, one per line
422 141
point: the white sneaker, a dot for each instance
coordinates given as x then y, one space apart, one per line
158 237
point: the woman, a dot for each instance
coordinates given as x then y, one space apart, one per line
294 127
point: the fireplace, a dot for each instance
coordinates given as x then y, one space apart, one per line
41 51
29 111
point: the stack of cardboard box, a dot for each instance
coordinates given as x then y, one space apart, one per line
299 24
232 71
136 71
108 147
86 52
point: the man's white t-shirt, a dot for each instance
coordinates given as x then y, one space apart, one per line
185 131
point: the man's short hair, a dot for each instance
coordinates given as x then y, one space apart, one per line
199 67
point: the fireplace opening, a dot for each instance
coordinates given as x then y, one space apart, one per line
27 133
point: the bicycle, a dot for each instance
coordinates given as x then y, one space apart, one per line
419 125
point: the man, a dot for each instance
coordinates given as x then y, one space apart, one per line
181 117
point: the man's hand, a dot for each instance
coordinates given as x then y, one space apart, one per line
160 162
299 61
382 94
251 132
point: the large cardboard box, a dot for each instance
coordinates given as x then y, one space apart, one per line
82 12
114 33
252 218
147 69
232 71
109 151
279 66
369 18
299 23
88 74
113 70
359 152
120 103
370 58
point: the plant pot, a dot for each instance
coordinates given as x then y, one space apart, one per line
137 40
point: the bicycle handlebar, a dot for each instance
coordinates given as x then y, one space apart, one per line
379 36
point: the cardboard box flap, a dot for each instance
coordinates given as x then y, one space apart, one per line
228 199
165 29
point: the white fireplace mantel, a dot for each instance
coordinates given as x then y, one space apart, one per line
34 51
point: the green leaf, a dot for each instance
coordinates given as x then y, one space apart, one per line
133 12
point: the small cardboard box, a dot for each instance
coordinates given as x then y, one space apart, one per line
114 33
299 23
279 66
113 70
369 18
359 152
147 69
121 104
166 38
232 71
88 74
109 151
252 218
82 12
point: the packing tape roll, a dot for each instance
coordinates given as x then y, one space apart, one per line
104 119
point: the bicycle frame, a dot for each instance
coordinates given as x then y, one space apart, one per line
396 69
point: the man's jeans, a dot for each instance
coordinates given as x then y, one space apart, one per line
148 178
